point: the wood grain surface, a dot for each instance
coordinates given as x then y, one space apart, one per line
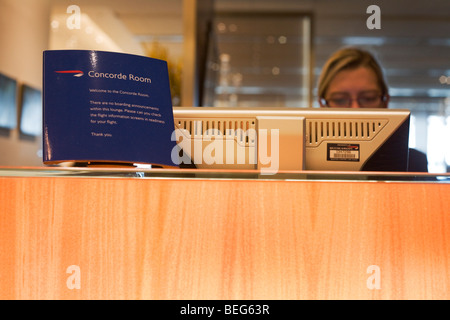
223 239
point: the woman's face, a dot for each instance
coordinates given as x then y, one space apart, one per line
354 88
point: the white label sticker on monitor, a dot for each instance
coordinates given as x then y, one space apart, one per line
342 152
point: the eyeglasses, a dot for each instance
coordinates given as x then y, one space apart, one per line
364 101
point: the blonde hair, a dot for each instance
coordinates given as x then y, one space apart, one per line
345 59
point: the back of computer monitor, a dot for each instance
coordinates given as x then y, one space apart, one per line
357 140
293 138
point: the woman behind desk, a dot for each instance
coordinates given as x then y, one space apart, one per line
352 78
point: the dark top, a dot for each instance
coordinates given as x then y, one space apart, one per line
417 161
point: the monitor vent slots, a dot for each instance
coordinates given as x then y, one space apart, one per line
241 130
348 129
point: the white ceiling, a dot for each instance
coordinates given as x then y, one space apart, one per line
413 43
125 23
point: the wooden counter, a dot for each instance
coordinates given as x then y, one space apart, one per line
222 239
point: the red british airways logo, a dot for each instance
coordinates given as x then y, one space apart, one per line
75 73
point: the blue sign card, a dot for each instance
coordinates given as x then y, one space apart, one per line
106 107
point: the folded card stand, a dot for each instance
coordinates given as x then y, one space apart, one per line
106 107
